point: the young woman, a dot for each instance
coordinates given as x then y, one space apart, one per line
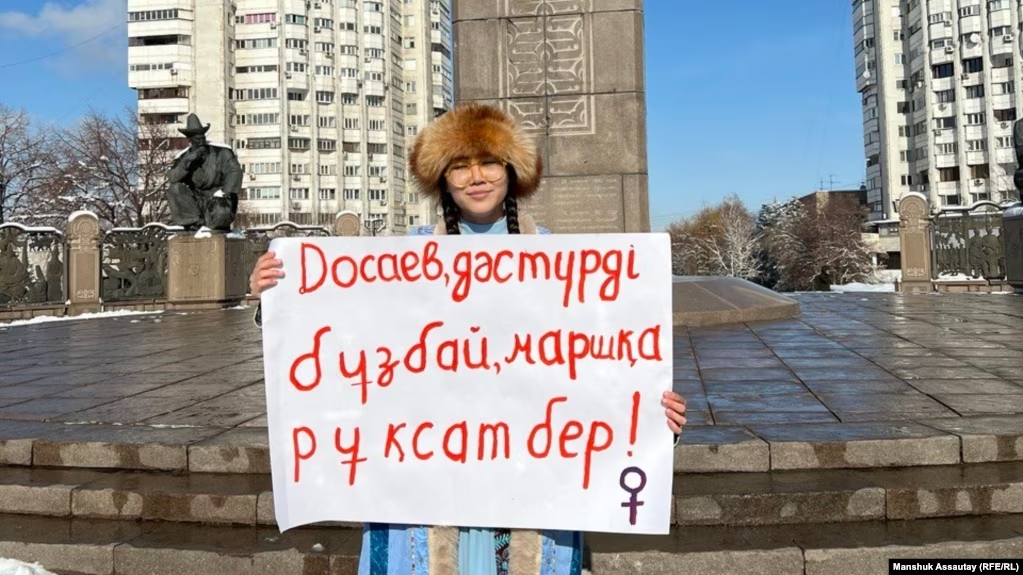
477 163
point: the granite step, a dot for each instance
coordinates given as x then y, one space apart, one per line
729 499
105 547
702 449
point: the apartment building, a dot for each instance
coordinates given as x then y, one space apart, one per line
320 99
940 85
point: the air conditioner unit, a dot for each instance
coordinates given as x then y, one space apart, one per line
1005 124
273 25
287 75
942 106
330 55
948 23
294 128
316 30
252 176
1007 38
978 182
937 132
303 51
317 5
173 72
296 178
949 49
965 76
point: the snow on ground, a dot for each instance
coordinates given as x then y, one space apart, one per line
864 288
51 318
12 567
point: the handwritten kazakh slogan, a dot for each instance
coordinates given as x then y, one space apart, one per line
495 381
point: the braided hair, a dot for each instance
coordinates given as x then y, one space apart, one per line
453 215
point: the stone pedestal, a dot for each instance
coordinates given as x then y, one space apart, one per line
205 272
571 72
83 263
915 241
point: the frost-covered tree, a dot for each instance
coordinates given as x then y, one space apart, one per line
809 243
113 166
24 156
718 240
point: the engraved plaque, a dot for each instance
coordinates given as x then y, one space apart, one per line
584 204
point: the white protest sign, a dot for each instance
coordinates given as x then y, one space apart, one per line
508 381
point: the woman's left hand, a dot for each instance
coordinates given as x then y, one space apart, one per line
675 408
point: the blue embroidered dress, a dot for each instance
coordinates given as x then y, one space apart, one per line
389 549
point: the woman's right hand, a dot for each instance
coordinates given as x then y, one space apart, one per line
265 274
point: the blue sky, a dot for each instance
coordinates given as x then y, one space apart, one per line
753 98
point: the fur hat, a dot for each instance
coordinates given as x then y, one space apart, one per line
473 130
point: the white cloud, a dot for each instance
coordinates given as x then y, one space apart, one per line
69 25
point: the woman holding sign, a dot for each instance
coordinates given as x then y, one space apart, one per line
477 163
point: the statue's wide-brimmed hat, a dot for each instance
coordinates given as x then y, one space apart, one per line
193 127
474 130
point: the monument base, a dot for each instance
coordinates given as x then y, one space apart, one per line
205 272
702 301
916 286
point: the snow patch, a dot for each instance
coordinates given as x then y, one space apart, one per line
203 232
857 287
53 318
219 194
14 567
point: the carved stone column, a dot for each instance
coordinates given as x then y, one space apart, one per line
915 242
83 263
205 273
571 71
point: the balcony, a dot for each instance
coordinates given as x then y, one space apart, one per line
164 106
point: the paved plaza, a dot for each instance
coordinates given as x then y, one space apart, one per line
848 358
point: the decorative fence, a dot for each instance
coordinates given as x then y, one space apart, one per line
958 248
967 243
44 271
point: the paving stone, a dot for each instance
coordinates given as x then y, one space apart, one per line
48 408
857 445
728 374
881 406
202 550
986 438
199 498
977 404
866 549
719 448
937 387
944 373
129 410
763 417
776 498
17 437
40 491
120 447
241 450
976 489
65 546
749 401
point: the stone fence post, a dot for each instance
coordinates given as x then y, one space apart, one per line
347 224
915 241
84 259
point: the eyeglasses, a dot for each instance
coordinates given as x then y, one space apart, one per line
460 172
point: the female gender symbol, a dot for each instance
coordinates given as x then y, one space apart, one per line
633 503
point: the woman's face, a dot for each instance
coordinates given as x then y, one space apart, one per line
478 187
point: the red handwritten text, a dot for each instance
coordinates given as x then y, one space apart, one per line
573 269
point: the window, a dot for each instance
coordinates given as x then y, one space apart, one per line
264 193
264 143
295 19
256 94
299 168
350 99
297 67
264 168
1003 142
256 69
351 170
263 18
945 96
328 194
351 194
975 91
946 70
378 195
969 11
948 174
377 124
973 65
265 119
352 147
324 97
327 121
975 119
328 170
298 119
976 145
351 123
1003 88
296 43
325 71
255 43
326 145
945 122
148 15
298 193
1006 115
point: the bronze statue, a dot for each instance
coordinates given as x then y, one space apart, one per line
205 180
